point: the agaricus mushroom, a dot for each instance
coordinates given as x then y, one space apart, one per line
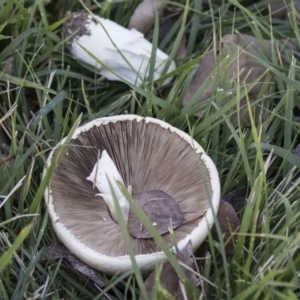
124 54
148 157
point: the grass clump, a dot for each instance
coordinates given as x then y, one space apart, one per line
43 91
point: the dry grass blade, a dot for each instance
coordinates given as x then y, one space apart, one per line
18 185
9 113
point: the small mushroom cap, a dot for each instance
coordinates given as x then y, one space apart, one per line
150 155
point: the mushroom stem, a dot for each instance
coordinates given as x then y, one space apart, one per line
106 177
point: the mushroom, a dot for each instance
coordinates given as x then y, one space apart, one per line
124 54
146 156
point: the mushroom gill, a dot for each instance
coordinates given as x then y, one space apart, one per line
148 157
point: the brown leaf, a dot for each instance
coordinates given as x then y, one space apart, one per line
237 198
168 280
168 20
229 223
235 45
54 252
5 159
170 17
296 151
235 61
162 211
280 9
203 71
7 66
3 139
59 251
4 148
144 15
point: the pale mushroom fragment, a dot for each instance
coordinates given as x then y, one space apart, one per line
106 177
121 54
150 155
234 62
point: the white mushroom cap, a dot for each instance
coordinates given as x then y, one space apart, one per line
150 155
98 36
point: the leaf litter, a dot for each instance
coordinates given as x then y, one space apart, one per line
58 251
169 283
229 224
281 9
161 209
236 58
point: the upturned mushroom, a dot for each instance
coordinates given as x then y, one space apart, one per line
167 173
115 52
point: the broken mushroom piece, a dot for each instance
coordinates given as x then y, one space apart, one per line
151 159
122 54
107 178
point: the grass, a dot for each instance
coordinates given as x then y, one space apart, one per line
47 91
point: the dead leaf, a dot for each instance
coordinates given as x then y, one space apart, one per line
5 159
144 15
7 66
296 151
203 71
280 9
237 198
235 61
169 282
168 21
4 148
54 252
229 223
170 16
162 211
59 251
3 139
